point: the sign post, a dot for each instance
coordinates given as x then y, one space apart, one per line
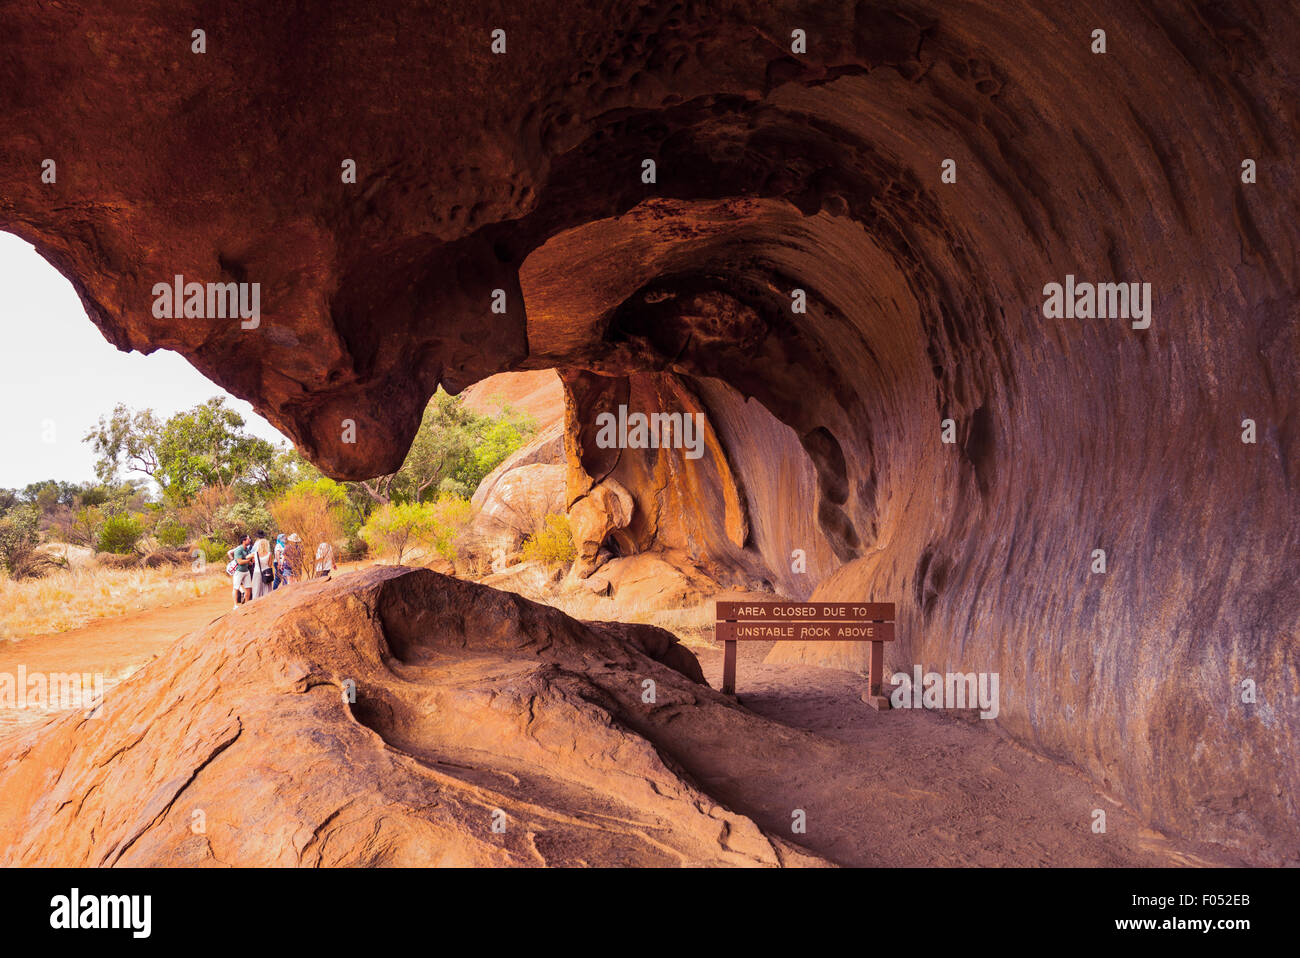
808 622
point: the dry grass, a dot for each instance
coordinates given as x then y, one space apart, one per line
69 598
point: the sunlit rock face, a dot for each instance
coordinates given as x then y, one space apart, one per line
775 171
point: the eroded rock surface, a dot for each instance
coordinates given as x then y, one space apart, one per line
775 172
471 706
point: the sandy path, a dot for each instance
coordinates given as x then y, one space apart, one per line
113 647
916 787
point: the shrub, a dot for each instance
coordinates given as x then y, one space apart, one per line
18 539
83 528
451 514
244 518
170 533
355 549
212 552
314 511
120 533
393 530
552 544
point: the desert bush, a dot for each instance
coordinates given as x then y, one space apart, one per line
19 537
171 533
451 515
119 534
552 544
81 527
212 552
314 510
355 549
169 558
244 518
393 530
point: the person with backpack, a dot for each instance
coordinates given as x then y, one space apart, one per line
240 570
263 573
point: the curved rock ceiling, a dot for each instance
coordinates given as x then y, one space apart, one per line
775 171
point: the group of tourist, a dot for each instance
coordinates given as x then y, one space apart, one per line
257 567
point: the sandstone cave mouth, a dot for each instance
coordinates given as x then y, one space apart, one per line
890 412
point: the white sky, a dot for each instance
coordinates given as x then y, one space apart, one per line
57 370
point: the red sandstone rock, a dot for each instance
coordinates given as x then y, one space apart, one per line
776 172
517 505
607 508
469 702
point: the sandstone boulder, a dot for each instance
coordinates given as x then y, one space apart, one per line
604 509
471 707
533 579
655 581
516 506
547 448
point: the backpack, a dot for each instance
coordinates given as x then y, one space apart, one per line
268 574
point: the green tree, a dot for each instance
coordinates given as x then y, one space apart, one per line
125 440
452 452
203 446
498 438
395 528
49 493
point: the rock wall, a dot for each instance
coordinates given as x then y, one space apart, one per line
775 171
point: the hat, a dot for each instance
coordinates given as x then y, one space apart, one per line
294 538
